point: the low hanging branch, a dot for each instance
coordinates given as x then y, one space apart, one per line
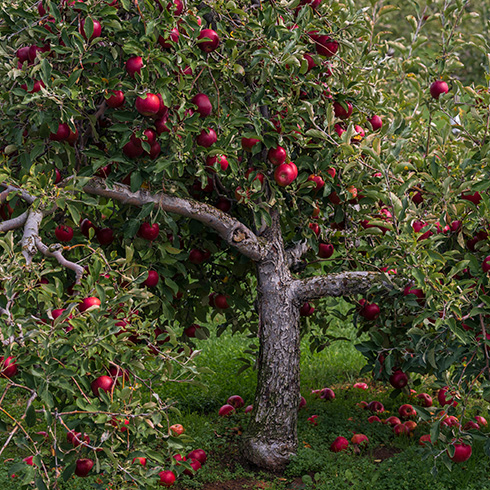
341 284
229 228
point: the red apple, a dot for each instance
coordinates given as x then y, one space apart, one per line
481 420
248 408
340 444
140 460
475 198
103 382
225 410
374 418
149 105
83 467
284 174
406 411
361 386
96 32
326 46
85 226
149 232
105 236
176 7
319 182
190 331
401 430
437 88
249 143
203 104
62 134
116 99
199 455
88 303
327 394
195 465
222 161
277 156
325 250
236 401
208 45
360 439
425 400
376 122
36 87
375 406
342 110
134 65
462 452
207 138
370 311
169 39
398 379
392 421
152 279
315 228
486 264
306 309
221 302
167 478
8 367
450 421
441 397
471 424
63 233
423 439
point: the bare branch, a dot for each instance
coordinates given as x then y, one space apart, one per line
31 232
55 251
341 284
229 228
25 196
294 253
14 223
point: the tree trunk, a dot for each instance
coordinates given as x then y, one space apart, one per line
271 437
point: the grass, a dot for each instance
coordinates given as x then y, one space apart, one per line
388 462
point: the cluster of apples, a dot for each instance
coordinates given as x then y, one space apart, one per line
233 403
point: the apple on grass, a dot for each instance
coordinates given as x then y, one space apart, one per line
373 419
226 410
327 394
236 401
360 439
375 406
340 444
425 400
199 455
406 411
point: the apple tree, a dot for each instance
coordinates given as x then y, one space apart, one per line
167 163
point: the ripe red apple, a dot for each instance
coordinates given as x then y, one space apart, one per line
203 104
207 138
486 264
462 452
315 228
248 408
437 88
140 460
360 439
418 198
326 46
176 7
195 465
8 367
277 156
340 444
236 401
392 421
103 382
401 430
211 44
149 232
148 105
441 397
423 439
374 418
152 279
361 386
376 122
406 411
475 198
62 134
306 309
222 161
96 32
177 429
249 143
375 406
105 236
134 65
88 303
327 394
199 455
196 256
169 39
36 87
63 233
425 400
167 478
85 226
83 467
221 302
190 331
319 182
284 174
116 99
450 421
370 311
481 420
471 424
325 250
342 110
398 379
225 410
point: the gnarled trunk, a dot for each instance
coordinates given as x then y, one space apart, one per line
271 437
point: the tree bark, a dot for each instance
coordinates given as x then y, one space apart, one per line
271 437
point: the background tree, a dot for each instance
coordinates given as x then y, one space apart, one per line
118 117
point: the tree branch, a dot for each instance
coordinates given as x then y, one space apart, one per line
229 228
31 232
294 254
11 188
14 223
341 284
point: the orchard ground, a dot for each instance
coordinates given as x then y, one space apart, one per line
388 462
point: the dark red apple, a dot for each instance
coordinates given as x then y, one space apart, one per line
167 478
392 421
376 122
195 465
370 311
249 143
441 397
169 39
342 110
63 233
326 46
375 406
83 467
277 156
226 410
103 382
152 279
176 7
325 250
486 264
223 204
398 379
285 174
62 134
207 138
222 161
203 104
149 232
306 309
133 148
148 105
425 400
88 303
438 88
85 226
116 99
236 401
96 32
221 302
462 452
199 455
340 444
327 394
211 43
105 236
139 460
134 65
8 367
190 331
406 411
